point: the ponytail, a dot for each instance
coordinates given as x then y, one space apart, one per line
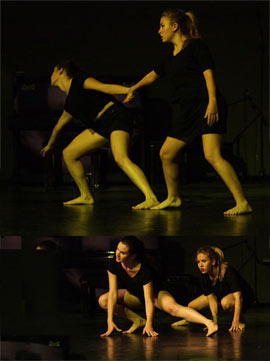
192 25
186 21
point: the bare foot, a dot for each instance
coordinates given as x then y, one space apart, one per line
147 204
212 328
79 200
241 208
169 203
180 323
137 324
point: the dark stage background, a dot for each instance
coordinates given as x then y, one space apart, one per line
119 39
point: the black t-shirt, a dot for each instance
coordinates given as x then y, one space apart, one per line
185 70
135 284
84 104
232 282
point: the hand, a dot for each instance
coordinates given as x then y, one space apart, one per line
211 113
45 151
130 96
149 331
236 326
111 327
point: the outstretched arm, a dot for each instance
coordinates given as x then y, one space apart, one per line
112 299
212 110
93 84
62 122
238 301
148 79
149 309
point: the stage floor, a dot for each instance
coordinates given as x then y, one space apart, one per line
30 210
79 338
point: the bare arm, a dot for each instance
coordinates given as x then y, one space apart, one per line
62 122
212 110
149 309
213 305
148 79
93 84
112 299
238 301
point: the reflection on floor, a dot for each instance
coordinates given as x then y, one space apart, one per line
75 337
31 211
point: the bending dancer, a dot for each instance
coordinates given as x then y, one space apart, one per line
198 109
92 102
140 285
221 285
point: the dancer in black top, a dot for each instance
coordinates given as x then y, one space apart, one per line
198 108
91 101
133 283
221 285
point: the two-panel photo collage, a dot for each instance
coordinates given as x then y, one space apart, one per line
134 180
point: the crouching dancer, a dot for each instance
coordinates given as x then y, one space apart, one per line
140 286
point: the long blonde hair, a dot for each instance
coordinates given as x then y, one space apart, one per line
186 21
215 254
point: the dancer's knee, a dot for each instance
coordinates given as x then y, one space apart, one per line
227 305
212 158
121 161
166 156
103 301
170 307
68 155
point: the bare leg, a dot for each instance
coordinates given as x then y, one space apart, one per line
125 312
168 304
197 304
228 304
212 152
169 156
120 144
81 145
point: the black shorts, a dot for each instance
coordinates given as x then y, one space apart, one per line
117 117
188 118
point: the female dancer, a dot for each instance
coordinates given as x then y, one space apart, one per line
92 102
221 284
140 285
198 109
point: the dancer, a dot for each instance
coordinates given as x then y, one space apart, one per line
222 285
106 120
140 285
198 108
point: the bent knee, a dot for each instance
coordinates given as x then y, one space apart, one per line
227 305
121 161
68 154
212 158
172 308
103 301
167 156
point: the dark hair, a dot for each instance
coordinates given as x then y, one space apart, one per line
135 246
70 67
187 22
215 254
